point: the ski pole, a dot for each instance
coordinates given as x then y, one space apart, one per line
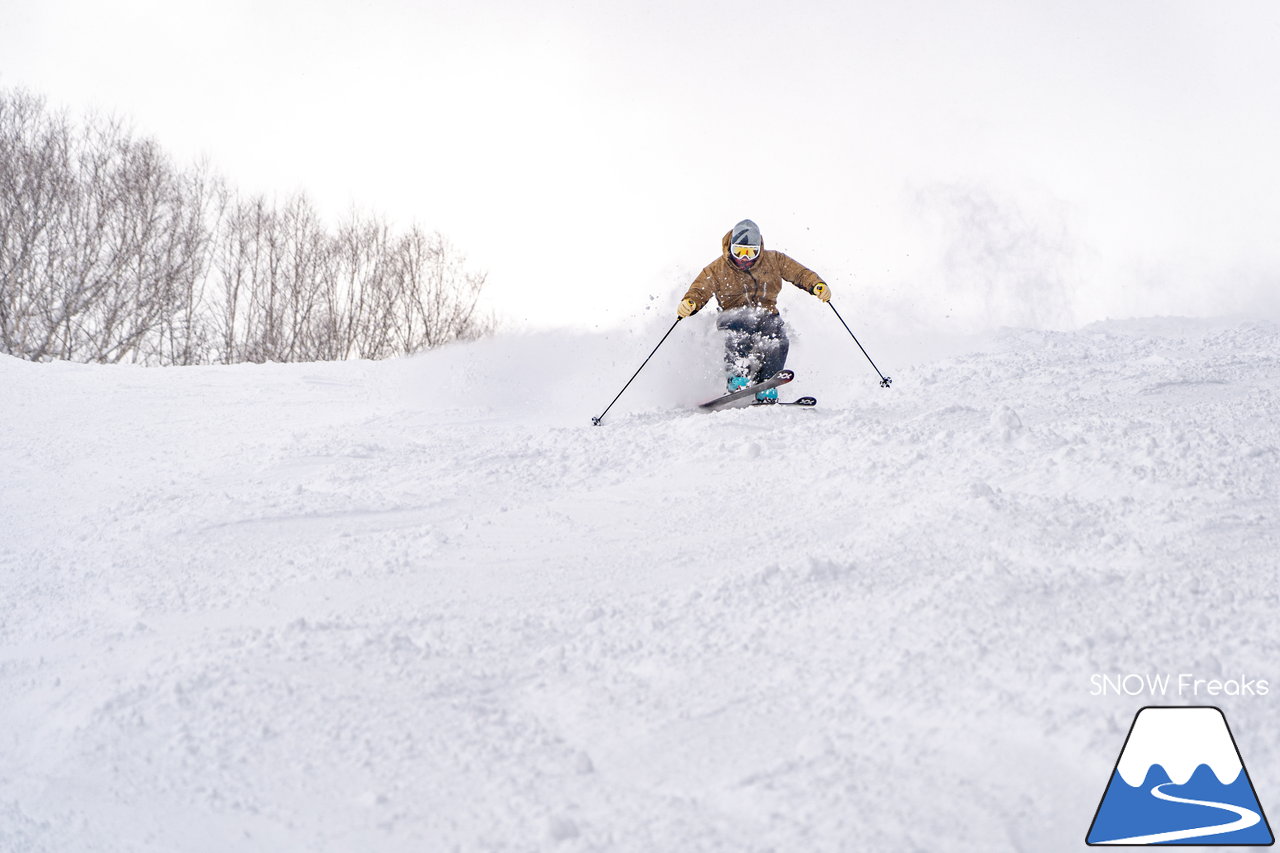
885 381
597 421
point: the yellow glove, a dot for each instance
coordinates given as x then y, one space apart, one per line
687 308
821 291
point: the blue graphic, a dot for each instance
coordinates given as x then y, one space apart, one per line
1180 781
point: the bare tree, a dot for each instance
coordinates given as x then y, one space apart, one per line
109 252
439 298
35 186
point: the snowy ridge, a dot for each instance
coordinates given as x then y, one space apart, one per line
1179 740
426 605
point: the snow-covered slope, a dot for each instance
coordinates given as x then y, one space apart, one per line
425 605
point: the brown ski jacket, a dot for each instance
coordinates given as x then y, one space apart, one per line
757 287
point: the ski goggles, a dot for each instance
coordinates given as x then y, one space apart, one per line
743 252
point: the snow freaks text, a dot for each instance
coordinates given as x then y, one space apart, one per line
1181 685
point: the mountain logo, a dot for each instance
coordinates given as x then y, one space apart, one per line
1180 780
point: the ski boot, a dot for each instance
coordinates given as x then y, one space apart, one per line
767 397
737 383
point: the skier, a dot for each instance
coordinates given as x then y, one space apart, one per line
746 280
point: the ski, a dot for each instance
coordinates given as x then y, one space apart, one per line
782 377
805 402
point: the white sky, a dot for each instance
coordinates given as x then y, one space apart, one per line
967 160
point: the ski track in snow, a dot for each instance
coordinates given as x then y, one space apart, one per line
425 605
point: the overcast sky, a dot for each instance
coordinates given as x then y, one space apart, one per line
964 162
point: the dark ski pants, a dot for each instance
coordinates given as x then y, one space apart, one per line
755 343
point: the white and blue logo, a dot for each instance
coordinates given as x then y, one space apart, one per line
1180 780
